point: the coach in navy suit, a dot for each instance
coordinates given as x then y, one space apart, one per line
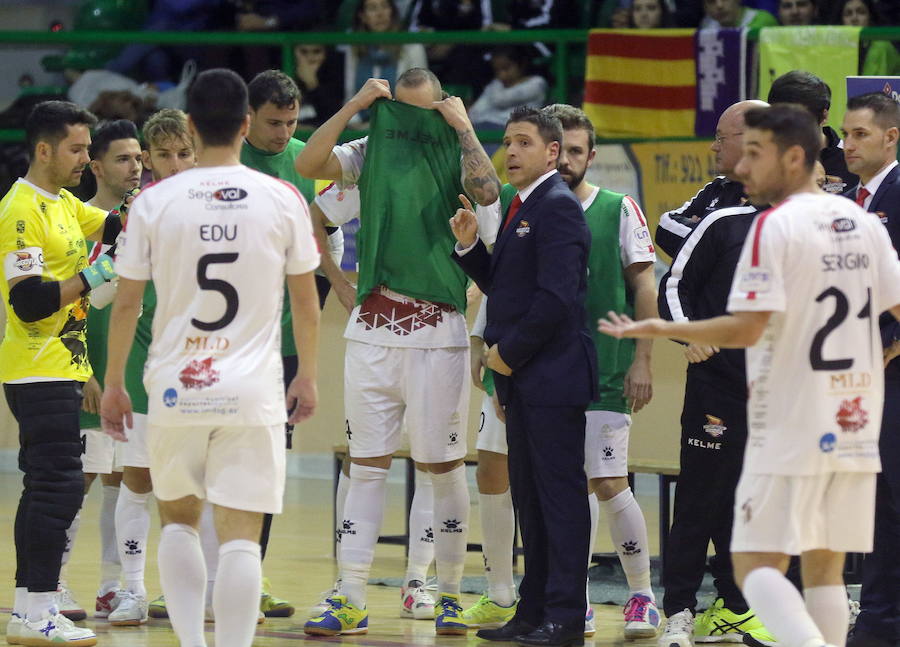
543 357
871 129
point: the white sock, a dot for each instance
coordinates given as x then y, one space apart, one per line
182 575
236 593
71 534
594 507
209 543
780 607
421 530
20 603
451 517
132 528
40 604
498 523
628 531
363 514
340 501
827 606
110 567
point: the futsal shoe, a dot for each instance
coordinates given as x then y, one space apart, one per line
719 624
14 629
272 607
132 611
487 614
641 617
448 620
107 603
416 602
589 627
322 605
157 608
679 630
54 630
68 606
340 618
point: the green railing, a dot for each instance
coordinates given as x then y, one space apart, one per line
562 39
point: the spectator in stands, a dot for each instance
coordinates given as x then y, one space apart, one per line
795 13
454 64
877 57
528 14
649 14
387 62
280 15
319 78
732 13
513 86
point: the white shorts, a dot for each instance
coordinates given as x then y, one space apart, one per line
98 452
235 467
134 453
491 432
426 388
795 514
606 444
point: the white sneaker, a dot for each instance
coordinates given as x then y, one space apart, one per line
416 601
132 610
641 617
54 630
322 605
107 603
679 631
589 627
14 629
68 606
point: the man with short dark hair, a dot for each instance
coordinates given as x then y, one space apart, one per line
871 128
214 380
804 311
545 373
407 345
43 357
796 12
811 92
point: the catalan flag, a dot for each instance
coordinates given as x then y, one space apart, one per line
641 83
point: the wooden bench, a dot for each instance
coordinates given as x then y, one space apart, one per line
666 472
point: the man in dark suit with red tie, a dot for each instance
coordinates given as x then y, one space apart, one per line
871 129
544 360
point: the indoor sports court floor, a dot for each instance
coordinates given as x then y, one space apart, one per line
300 565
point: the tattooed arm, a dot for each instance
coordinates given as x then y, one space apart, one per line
479 177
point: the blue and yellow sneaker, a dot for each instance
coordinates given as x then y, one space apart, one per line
340 618
448 620
487 614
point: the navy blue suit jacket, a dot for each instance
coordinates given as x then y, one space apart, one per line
536 280
886 204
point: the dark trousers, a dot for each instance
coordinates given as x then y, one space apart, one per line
880 594
290 365
549 490
53 484
711 461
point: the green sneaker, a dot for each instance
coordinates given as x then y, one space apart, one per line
341 617
271 606
487 614
448 616
157 608
719 624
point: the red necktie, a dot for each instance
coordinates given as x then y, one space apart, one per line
513 210
861 196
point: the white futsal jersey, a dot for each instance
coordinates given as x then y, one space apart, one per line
826 269
217 243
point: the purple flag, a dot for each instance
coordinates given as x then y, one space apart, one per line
721 69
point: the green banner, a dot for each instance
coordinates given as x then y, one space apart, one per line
831 53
